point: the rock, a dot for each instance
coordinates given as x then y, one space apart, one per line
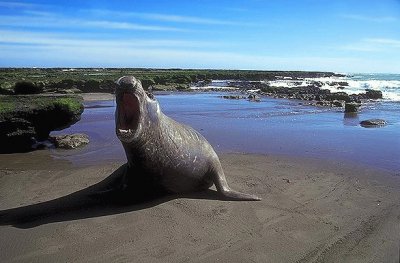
26 119
338 96
338 103
323 103
357 98
373 123
351 107
70 141
254 97
286 180
373 94
336 83
232 97
16 135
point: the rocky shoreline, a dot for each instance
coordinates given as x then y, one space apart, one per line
313 94
28 119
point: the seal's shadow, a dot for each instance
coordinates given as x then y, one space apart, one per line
93 201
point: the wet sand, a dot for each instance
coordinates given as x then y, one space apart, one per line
312 211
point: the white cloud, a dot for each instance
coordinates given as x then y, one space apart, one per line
71 40
39 13
61 22
373 45
124 25
360 47
17 4
384 42
378 19
169 18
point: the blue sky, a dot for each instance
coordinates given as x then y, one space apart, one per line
341 36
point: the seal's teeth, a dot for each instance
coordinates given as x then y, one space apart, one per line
122 131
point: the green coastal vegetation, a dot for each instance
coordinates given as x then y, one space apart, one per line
24 104
67 80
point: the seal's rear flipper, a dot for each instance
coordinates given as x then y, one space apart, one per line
238 196
218 177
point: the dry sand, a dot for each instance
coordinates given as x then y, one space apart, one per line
312 211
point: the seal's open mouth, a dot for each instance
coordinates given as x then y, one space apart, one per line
128 114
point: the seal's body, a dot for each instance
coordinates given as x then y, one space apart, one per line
159 149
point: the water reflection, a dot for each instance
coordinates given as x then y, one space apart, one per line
351 119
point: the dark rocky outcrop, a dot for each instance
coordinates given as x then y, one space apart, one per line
26 119
338 103
351 107
373 123
232 97
254 98
373 94
322 103
338 96
313 93
16 135
70 141
339 83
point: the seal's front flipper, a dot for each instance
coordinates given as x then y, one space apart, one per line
217 174
113 184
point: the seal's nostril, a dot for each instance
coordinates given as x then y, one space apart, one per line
128 83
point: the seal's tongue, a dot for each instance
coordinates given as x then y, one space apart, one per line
129 111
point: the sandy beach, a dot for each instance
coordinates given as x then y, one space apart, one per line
312 211
97 96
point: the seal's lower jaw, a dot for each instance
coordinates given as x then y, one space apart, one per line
128 116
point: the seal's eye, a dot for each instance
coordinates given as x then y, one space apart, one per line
150 95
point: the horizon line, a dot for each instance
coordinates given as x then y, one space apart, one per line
200 69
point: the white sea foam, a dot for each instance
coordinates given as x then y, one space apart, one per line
356 85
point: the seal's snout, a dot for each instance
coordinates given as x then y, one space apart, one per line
127 83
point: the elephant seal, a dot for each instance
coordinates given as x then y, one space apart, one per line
163 151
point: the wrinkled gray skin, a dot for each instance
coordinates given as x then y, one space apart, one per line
170 154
